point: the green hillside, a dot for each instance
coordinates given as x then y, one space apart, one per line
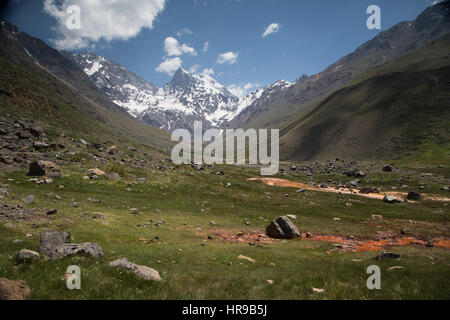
399 109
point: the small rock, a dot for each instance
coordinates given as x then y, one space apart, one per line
140 271
413 196
27 255
52 212
388 255
28 199
13 289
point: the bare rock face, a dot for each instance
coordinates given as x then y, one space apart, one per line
13 289
143 272
44 168
282 228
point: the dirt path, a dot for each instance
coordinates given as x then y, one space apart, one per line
289 184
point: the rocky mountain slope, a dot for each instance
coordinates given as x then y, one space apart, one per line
398 109
403 38
38 83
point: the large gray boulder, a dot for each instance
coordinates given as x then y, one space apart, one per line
87 249
56 245
51 239
282 228
143 272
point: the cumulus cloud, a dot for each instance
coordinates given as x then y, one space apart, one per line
208 72
107 20
242 90
169 65
173 48
228 57
272 28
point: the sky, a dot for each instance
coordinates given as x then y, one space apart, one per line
244 44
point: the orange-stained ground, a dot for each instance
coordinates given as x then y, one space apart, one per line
289 184
348 244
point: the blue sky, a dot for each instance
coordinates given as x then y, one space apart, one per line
310 36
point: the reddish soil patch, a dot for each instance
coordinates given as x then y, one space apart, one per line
352 245
289 184
346 244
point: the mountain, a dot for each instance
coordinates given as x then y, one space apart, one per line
399 109
38 82
188 97
403 38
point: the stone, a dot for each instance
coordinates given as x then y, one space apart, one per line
140 271
51 239
96 172
4 192
27 255
42 168
13 289
390 199
28 199
388 255
413 196
113 176
282 228
70 249
387 168
242 257
376 217
52 212
98 215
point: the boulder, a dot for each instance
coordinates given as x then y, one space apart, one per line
42 168
27 255
70 249
413 196
50 239
140 271
113 176
390 199
13 289
28 199
282 228
96 172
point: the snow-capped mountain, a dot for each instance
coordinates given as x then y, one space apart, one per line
186 98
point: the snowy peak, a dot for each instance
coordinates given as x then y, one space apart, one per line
186 98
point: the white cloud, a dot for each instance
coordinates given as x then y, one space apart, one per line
194 68
228 57
107 20
183 31
173 48
208 72
169 65
272 28
242 90
205 47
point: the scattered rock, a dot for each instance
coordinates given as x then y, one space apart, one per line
27 255
13 289
51 239
95 172
28 199
387 168
242 257
318 290
388 255
376 217
52 212
140 271
390 199
113 176
413 196
42 168
396 268
282 228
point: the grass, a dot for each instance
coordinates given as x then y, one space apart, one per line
188 200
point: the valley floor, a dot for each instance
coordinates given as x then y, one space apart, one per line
205 233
